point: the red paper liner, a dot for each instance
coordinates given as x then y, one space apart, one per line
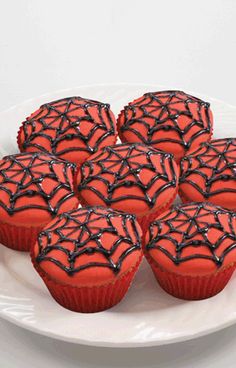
18 139
88 299
191 287
18 237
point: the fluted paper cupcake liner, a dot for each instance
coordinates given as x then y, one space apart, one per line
191 287
18 138
88 299
18 237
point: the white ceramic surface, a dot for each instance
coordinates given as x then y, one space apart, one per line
147 316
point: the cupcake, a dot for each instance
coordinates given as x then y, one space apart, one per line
172 121
192 250
209 174
72 128
34 188
88 257
133 178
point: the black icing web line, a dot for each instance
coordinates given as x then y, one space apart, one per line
30 165
72 223
66 121
161 123
224 150
111 161
197 223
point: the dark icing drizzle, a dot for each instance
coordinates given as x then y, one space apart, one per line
224 150
63 115
31 166
164 113
82 229
111 160
191 220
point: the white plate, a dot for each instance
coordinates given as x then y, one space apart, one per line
147 316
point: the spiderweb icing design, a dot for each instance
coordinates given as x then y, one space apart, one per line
82 230
125 164
213 162
23 175
164 111
190 225
65 120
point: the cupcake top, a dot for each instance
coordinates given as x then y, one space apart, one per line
128 177
72 128
209 173
169 120
193 239
35 187
89 246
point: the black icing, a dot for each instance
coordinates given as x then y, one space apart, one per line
35 127
33 174
82 234
161 123
195 216
224 150
111 161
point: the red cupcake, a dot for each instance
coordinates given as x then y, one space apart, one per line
172 121
208 174
133 178
34 188
192 250
72 128
88 257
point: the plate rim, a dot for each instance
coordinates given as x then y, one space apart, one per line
106 344
120 84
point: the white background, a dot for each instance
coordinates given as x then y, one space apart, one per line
47 45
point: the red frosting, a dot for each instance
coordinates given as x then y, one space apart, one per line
72 128
88 246
193 239
132 178
172 121
35 187
208 174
